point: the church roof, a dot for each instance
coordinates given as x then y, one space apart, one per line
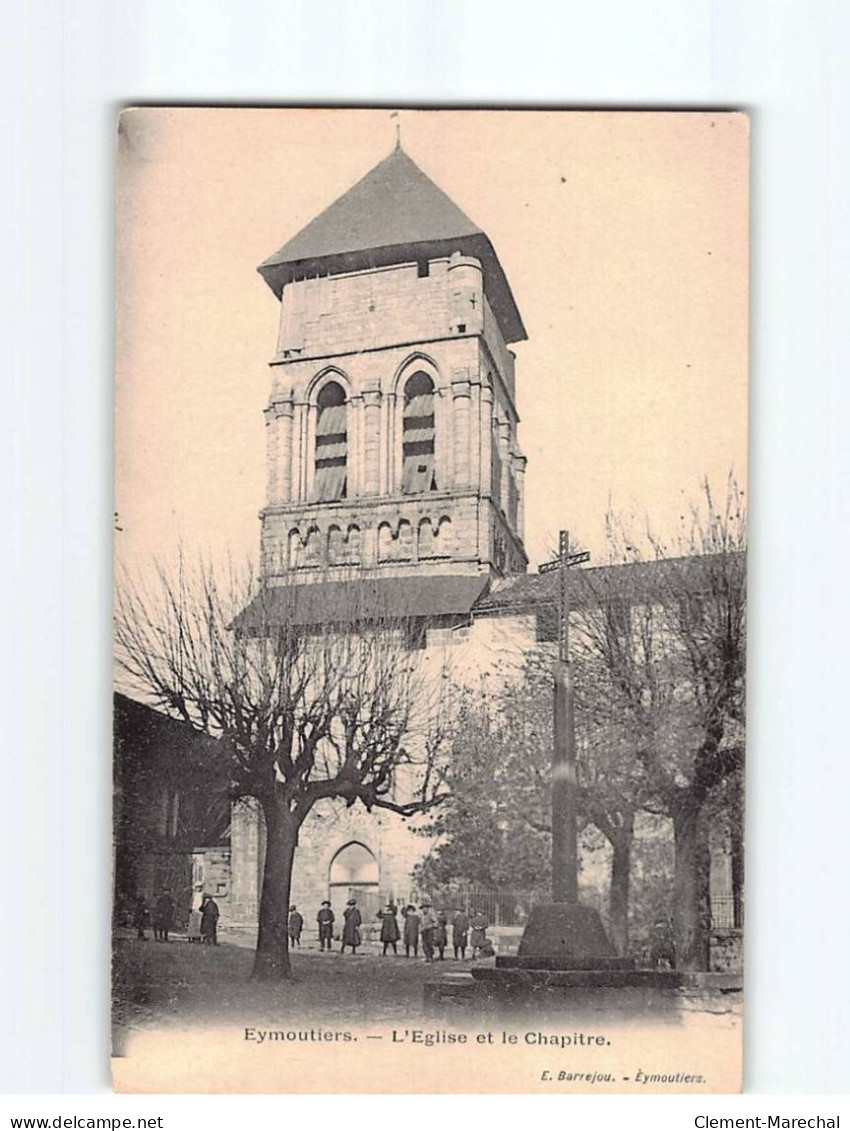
395 214
362 599
635 582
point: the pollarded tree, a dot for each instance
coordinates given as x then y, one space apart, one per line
307 712
665 641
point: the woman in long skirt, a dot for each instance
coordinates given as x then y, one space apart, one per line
209 921
194 929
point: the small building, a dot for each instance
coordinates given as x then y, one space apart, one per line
171 811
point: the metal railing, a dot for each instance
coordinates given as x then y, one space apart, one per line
503 908
511 907
727 912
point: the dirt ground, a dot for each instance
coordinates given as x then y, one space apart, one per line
161 984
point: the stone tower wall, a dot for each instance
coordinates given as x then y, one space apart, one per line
369 332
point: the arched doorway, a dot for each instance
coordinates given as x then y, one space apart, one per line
354 874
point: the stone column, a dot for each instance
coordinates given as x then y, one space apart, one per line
298 422
443 438
383 478
371 442
475 435
283 427
505 453
393 445
272 463
309 457
354 444
486 438
520 464
461 396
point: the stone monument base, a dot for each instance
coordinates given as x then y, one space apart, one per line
568 932
567 965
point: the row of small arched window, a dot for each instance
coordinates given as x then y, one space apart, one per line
331 466
432 538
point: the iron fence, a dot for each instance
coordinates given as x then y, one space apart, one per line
727 912
503 908
510 908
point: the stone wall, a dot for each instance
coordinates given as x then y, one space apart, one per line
339 314
328 830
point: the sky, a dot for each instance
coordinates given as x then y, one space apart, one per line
624 237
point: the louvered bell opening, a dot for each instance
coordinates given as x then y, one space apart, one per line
418 451
418 473
331 454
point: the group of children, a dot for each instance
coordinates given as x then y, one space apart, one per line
425 925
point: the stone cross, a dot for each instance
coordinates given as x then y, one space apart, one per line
564 779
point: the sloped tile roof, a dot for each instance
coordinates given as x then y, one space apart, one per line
635 581
361 599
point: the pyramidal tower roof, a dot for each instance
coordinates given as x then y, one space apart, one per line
395 214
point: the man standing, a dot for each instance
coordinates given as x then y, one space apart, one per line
163 917
441 934
460 932
296 925
428 925
325 918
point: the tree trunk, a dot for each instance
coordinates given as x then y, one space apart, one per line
691 907
271 960
618 907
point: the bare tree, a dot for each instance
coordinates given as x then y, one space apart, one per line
306 711
667 638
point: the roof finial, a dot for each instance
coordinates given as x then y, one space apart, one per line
394 114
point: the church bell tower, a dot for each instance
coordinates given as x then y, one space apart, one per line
391 426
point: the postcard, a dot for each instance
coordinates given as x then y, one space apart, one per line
430 600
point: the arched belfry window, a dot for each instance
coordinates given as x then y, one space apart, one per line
330 480
419 473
